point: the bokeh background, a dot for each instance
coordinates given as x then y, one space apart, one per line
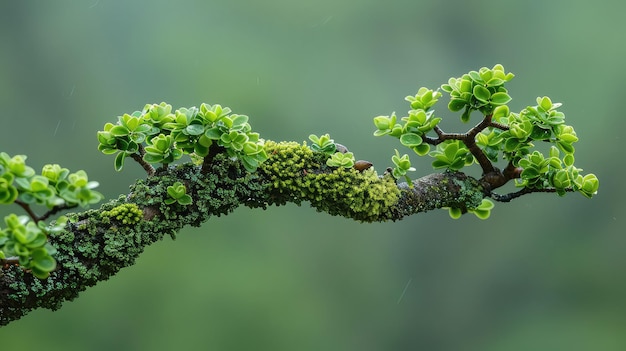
543 273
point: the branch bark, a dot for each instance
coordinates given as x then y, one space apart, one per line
94 246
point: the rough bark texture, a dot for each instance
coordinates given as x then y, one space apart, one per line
98 243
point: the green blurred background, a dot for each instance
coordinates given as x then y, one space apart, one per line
544 273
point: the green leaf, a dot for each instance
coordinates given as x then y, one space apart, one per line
494 82
382 132
213 133
545 103
481 93
500 99
185 200
568 138
439 164
455 213
530 173
410 139
383 122
475 77
456 105
450 150
194 129
482 214
465 116
239 120
43 261
500 112
568 160
590 185
339 159
566 147
38 238
119 131
119 161
421 149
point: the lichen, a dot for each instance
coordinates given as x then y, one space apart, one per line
470 194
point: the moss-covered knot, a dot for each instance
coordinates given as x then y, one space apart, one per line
124 213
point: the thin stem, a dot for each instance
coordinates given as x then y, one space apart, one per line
139 159
28 210
478 153
510 196
480 156
469 139
439 132
214 149
498 126
56 209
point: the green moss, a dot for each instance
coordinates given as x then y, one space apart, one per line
295 173
126 214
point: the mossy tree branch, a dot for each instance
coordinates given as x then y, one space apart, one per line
97 244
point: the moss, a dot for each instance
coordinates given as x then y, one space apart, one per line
294 173
127 214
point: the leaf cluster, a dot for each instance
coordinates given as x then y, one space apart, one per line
336 155
177 192
501 135
542 172
482 211
452 155
420 120
402 166
55 188
481 90
159 135
323 144
27 241
340 159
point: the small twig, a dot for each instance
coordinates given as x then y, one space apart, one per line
470 142
498 126
480 156
214 149
469 139
55 210
139 159
510 196
28 210
439 132
443 136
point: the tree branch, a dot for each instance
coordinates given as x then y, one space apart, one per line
514 195
95 245
469 139
26 207
138 157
